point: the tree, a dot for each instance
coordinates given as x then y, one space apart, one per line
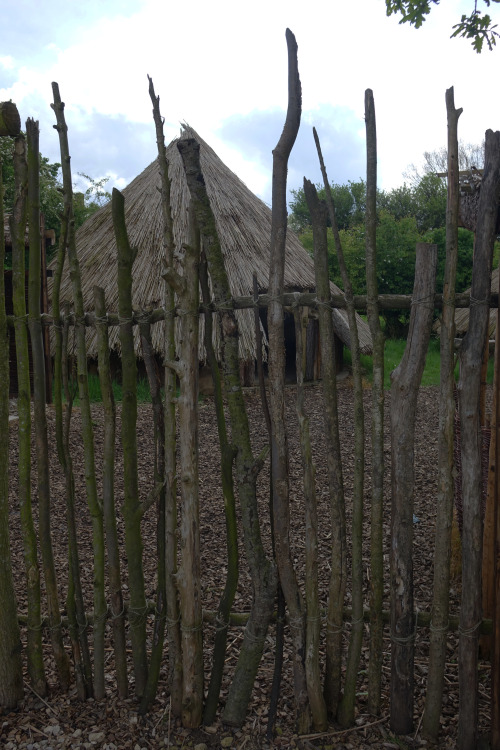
470 156
349 202
424 198
464 259
51 200
94 198
430 202
50 187
477 26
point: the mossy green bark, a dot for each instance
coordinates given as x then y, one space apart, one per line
108 495
74 600
93 501
38 357
11 669
18 222
132 508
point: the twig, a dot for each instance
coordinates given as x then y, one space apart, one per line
343 731
169 718
42 699
31 728
418 726
163 714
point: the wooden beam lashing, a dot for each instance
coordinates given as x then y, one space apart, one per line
10 121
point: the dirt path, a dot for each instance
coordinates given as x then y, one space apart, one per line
61 721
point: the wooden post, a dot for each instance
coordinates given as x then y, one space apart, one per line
404 392
377 421
189 575
446 484
247 468
132 509
11 668
491 553
471 444
276 360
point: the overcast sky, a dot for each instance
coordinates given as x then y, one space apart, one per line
221 66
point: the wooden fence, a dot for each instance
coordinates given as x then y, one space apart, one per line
174 622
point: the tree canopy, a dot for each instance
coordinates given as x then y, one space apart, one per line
477 26
412 213
51 198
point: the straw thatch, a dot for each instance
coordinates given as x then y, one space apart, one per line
244 226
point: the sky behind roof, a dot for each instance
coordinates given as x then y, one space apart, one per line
222 67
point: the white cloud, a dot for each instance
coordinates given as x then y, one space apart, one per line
7 62
213 61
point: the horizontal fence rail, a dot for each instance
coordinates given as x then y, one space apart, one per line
289 300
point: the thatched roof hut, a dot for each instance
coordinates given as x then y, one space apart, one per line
244 225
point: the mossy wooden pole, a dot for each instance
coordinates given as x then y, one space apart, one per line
132 508
93 501
446 483
189 575
158 497
108 495
338 575
173 617
36 247
10 121
77 617
313 621
377 422
405 382
338 578
18 233
495 563
346 712
227 459
262 570
280 605
469 388
276 368
11 668
74 600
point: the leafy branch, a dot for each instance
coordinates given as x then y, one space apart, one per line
477 26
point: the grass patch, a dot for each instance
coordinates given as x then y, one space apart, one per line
393 354
143 392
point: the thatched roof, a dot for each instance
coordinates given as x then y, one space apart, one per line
244 226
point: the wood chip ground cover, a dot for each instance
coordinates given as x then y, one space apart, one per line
61 721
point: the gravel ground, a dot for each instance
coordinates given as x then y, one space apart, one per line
61 721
